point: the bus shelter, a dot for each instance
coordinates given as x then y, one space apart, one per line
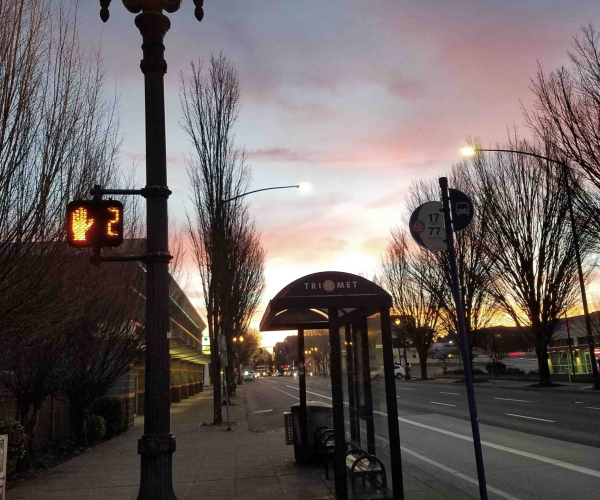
356 314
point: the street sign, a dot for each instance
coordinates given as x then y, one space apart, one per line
94 223
461 208
206 344
427 226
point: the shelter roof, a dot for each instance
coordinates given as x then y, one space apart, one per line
304 303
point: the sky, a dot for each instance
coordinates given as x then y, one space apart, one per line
360 98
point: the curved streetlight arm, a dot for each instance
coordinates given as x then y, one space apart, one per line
526 153
297 186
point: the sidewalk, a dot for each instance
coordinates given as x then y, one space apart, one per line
210 463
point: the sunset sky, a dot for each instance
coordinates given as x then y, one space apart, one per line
358 97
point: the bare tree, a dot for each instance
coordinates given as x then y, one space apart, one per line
566 114
409 276
530 242
58 137
106 334
224 242
567 106
249 347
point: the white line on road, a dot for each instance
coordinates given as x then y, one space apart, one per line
526 454
591 408
451 393
530 418
457 474
262 411
517 400
578 402
295 397
445 468
443 404
407 388
309 392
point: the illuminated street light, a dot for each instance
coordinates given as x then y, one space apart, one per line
304 187
470 151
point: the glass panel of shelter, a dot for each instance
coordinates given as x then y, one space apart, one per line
364 392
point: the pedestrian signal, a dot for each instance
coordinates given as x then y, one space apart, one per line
95 223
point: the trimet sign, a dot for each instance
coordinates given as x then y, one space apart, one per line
330 285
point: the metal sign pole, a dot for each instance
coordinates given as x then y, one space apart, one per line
3 464
463 340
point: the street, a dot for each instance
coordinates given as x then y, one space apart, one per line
536 443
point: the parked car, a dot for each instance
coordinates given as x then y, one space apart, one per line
399 372
248 375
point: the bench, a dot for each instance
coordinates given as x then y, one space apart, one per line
362 464
325 446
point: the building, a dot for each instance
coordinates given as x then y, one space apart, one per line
569 349
188 361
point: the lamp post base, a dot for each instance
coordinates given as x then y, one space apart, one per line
156 482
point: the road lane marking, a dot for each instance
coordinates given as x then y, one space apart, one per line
591 408
309 392
262 411
406 388
451 393
578 402
517 400
295 397
445 468
507 449
443 404
531 418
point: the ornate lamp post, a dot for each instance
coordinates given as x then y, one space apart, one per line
157 444
468 151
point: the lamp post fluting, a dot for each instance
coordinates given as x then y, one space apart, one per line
565 172
157 444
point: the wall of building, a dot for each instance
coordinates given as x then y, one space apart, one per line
53 426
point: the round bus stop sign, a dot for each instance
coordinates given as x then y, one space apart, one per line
427 226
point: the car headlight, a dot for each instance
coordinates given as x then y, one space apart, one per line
245 373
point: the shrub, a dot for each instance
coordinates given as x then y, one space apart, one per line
112 409
96 429
17 441
513 370
499 367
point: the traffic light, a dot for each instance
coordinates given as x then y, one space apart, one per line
95 223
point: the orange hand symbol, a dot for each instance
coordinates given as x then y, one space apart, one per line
80 224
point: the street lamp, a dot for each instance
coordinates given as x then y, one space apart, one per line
303 187
470 151
157 444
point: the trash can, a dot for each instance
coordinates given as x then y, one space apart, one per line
318 415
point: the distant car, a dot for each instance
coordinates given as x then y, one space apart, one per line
248 375
399 372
